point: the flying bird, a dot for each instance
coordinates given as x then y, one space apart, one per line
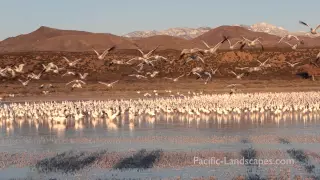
83 76
213 50
69 73
174 79
312 30
138 76
101 56
71 63
76 82
109 85
292 64
288 37
238 76
24 83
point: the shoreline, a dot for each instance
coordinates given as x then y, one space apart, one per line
132 94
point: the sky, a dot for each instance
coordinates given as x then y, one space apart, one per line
123 16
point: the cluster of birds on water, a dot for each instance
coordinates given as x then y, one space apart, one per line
58 113
149 59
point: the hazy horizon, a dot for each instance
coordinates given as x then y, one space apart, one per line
124 16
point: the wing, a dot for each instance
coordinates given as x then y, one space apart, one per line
180 76
233 73
297 37
114 82
317 27
66 59
201 60
111 49
246 39
303 23
131 60
168 78
149 53
281 39
206 44
100 82
259 61
296 63
229 42
70 82
96 52
287 43
82 82
242 46
288 63
77 60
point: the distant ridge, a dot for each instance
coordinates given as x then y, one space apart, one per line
52 39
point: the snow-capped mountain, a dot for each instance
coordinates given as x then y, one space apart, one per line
186 33
269 28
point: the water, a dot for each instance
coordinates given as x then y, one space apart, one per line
171 133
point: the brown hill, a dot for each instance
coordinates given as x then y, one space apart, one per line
50 39
234 33
166 42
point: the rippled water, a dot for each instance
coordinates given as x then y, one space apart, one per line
168 132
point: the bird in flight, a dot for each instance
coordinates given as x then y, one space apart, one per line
101 56
109 85
312 30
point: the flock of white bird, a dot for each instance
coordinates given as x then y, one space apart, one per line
150 58
197 105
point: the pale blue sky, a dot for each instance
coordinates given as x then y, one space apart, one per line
123 16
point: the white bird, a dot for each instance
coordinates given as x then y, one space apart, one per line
238 76
145 61
194 58
294 47
138 76
49 67
213 50
252 43
76 81
71 63
76 85
19 69
288 37
148 55
83 76
242 68
138 70
193 51
101 56
209 77
108 84
69 73
11 71
45 92
234 85
24 83
292 65
235 44
174 79
312 31
264 63
213 72
153 74
157 58
34 76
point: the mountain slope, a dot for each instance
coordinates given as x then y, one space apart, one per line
50 39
